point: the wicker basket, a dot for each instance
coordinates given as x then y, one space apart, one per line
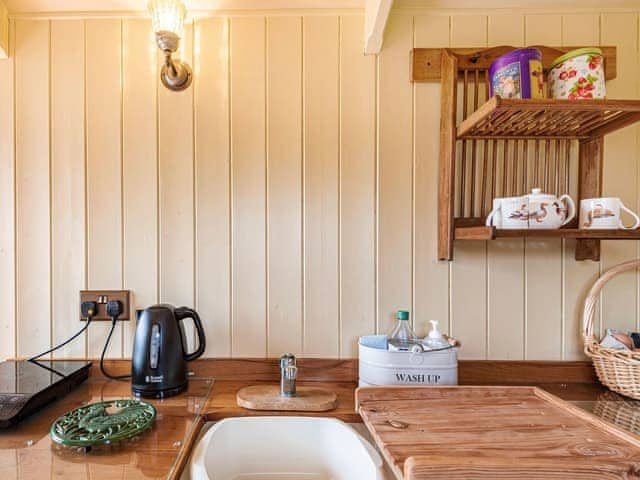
617 369
622 412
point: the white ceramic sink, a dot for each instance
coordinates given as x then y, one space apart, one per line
284 448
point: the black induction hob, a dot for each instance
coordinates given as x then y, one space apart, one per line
26 386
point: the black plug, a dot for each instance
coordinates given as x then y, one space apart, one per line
114 309
89 309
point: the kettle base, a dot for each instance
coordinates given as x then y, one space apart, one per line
167 392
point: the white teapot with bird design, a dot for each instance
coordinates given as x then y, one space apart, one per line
546 211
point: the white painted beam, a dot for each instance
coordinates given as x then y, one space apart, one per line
4 30
375 20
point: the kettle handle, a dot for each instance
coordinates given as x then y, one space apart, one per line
184 312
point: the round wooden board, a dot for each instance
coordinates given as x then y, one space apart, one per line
267 397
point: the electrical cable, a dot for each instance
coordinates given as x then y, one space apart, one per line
35 357
89 309
104 351
114 309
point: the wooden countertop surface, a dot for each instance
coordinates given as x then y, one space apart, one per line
477 432
26 451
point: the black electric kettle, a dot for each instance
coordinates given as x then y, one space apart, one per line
159 360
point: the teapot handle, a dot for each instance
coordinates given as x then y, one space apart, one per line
571 208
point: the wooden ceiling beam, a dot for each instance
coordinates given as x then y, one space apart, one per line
375 20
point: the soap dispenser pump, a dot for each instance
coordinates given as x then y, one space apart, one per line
435 339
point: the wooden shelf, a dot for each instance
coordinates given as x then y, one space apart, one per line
491 233
533 143
548 119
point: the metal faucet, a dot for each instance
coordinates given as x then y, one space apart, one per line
288 375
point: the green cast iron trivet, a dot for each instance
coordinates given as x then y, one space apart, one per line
93 425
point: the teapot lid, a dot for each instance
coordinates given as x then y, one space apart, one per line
537 192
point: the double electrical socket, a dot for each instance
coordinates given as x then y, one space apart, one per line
101 297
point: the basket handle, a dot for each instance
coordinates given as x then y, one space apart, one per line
594 294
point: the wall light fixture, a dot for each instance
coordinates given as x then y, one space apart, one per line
168 17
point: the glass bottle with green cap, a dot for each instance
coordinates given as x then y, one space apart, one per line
403 332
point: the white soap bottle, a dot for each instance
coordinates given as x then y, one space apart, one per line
435 340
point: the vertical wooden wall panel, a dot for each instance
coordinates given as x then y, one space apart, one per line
395 173
104 169
67 181
577 29
140 168
543 258
357 187
213 247
176 189
248 186
619 298
430 276
581 29
321 180
284 185
33 242
505 258
7 209
327 243
469 268
506 29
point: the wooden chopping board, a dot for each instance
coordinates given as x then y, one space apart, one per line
267 397
493 433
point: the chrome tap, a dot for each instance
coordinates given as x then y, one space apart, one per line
288 375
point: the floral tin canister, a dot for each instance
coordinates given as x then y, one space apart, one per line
578 74
517 74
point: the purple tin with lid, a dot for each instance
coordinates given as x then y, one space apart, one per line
517 74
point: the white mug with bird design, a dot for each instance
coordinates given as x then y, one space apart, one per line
604 214
546 211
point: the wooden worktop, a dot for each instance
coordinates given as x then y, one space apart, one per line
477 432
26 452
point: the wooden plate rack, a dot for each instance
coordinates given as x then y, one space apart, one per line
505 147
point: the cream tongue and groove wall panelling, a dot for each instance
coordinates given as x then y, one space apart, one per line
103 134
505 258
4 30
469 271
357 187
430 277
68 242
7 207
543 258
248 188
176 190
395 173
140 167
212 182
289 195
32 185
620 176
577 276
321 185
284 186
